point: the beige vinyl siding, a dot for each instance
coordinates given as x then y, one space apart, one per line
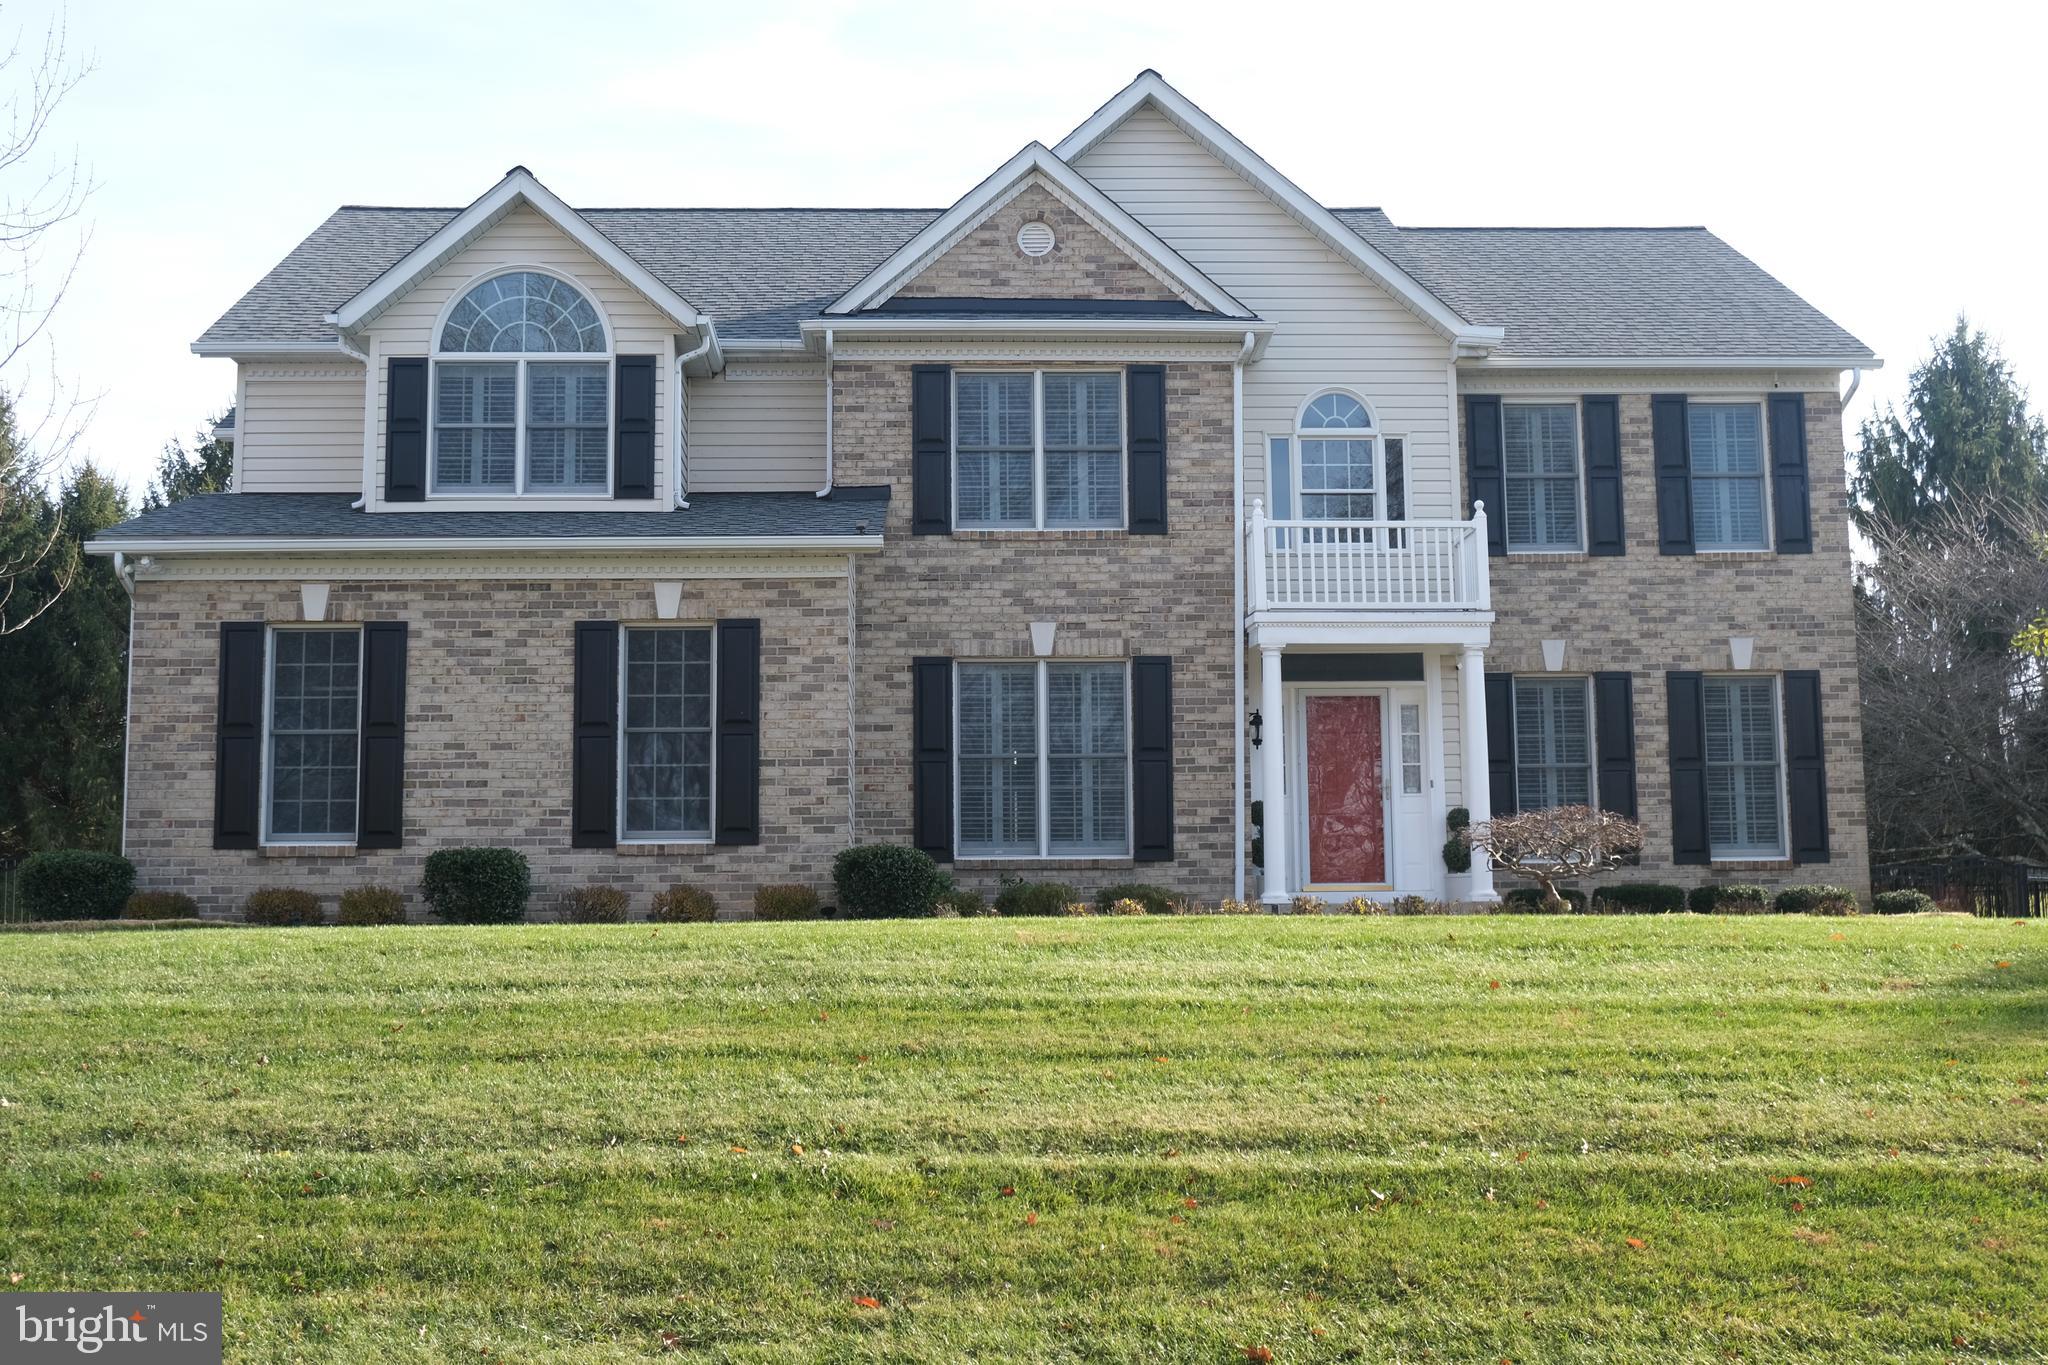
757 430
524 238
1454 732
299 428
1334 326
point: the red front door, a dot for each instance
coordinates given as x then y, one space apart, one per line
1347 826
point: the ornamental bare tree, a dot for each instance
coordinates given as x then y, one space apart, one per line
1558 844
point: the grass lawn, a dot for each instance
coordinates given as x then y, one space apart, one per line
1645 1139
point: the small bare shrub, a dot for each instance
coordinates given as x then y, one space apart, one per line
594 905
683 904
372 905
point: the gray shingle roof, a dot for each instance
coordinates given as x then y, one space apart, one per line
327 516
1647 292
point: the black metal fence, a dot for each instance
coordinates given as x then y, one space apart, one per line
1978 886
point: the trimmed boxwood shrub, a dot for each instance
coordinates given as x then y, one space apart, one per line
278 906
1036 898
785 900
1903 903
160 905
1816 900
76 883
595 905
1528 900
477 885
887 881
1157 900
1639 898
371 905
683 904
1458 847
1729 898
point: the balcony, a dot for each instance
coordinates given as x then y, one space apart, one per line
1360 570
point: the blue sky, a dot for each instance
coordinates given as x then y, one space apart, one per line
1827 144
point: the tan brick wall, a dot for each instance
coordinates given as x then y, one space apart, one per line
1083 263
1649 613
973 595
489 689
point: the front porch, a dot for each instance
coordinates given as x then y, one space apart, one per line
1368 639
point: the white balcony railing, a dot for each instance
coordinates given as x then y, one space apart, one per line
1368 565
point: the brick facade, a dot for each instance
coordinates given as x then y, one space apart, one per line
1083 263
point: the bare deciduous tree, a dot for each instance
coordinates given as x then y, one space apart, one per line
1560 844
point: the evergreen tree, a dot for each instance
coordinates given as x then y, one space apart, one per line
209 467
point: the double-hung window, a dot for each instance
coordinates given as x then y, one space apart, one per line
1540 449
1744 808
1553 743
1729 511
1338 469
315 720
522 392
1043 754
1038 449
665 772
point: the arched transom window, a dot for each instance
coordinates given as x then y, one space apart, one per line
536 417
1339 449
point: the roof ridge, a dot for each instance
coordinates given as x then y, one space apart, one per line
656 208
1590 227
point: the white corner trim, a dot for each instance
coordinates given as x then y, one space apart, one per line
996 190
312 601
1553 656
1741 652
668 599
1042 633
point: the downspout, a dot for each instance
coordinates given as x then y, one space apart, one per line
1855 383
348 349
826 491
1237 609
125 571
678 486
852 713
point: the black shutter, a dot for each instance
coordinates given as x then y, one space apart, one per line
737 759
405 429
1145 390
380 775
1152 758
1673 445
594 763
1687 718
1791 506
931 739
1485 477
633 451
1605 534
1614 740
1806 771
238 737
1500 742
931 450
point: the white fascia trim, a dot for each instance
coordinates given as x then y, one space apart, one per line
1206 329
763 345
1711 362
518 185
266 350
990 194
200 545
1151 87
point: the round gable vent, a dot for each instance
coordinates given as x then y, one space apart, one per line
1035 238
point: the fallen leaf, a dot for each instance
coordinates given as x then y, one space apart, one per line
1172 1152
1258 1353
1030 1220
671 1341
1521 1156
738 1150
885 1224
1009 1191
1543 1203
1798 1206
1190 1203
14 1277
1637 1243
1162 1058
1493 985
2003 965
1793 1180
863 1301
796 1149
1175 1218
95 1177
682 1137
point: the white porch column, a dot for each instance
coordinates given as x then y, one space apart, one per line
1478 777
1279 827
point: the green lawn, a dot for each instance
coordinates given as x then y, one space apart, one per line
1157 1140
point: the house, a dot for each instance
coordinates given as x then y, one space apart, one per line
1065 532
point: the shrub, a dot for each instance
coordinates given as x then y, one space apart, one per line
1078 909
1528 900
1035 898
1457 818
1815 900
785 900
1126 905
1238 907
160 905
1457 854
1156 900
1731 898
1903 903
1639 898
1305 904
76 884
278 906
477 885
1364 905
371 905
960 903
683 904
886 881
1413 905
594 905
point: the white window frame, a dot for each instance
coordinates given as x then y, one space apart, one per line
1038 374
1585 680
710 833
521 360
1373 434
269 838
1763 417
1043 739
1571 401
1754 855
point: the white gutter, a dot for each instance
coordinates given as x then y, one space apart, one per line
1237 612
1626 362
126 573
678 486
826 491
369 382
301 545
930 325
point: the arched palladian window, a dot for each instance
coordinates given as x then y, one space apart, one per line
536 417
1339 465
